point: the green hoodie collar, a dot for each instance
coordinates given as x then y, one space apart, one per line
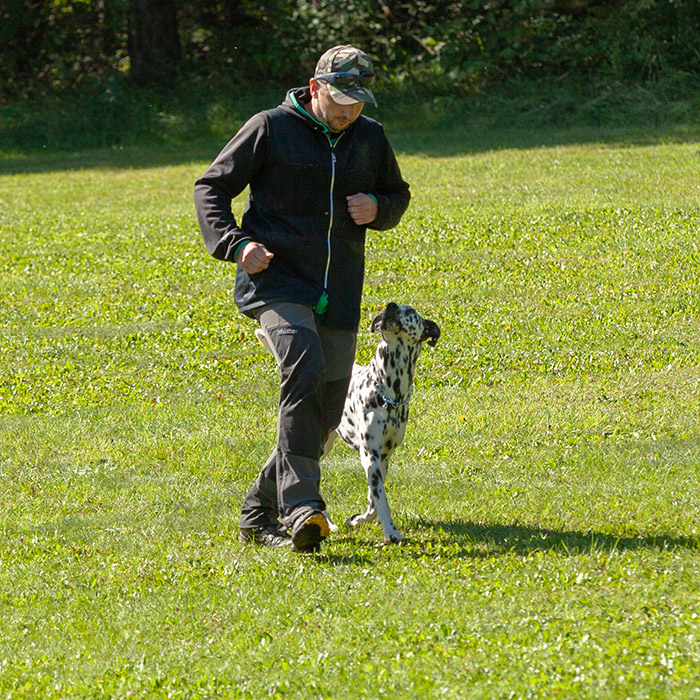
326 130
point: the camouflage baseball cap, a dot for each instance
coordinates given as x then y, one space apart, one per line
346 59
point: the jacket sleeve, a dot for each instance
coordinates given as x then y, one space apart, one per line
225 179
392 193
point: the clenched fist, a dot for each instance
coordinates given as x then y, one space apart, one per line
254 257
362 208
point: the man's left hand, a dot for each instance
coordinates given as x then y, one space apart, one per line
362 208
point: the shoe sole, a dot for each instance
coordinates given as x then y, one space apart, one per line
311 533
262 541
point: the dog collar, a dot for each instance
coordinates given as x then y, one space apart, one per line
385 400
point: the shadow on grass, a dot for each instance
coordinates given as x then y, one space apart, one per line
467 540
112 158
135 128
435 143
430 142
473 539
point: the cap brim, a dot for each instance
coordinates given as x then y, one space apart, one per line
351 96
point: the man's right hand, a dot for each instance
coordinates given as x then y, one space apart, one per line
254 257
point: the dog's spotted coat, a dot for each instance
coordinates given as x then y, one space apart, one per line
376 409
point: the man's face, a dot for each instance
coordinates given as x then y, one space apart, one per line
335 116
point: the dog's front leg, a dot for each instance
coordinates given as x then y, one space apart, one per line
378 504
371 513
354 521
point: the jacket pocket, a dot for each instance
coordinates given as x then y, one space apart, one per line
298 189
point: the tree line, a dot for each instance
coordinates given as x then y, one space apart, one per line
50 46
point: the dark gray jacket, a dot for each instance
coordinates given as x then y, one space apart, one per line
299 177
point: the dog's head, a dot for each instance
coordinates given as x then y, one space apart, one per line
405 322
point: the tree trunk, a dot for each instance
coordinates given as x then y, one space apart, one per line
232 12
154 44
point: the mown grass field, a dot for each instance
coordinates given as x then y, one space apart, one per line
548 483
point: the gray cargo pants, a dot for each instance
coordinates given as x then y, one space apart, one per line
315 364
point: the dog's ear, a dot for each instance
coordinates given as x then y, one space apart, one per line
377 323
431 333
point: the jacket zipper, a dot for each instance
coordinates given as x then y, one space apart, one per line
323 302
330 222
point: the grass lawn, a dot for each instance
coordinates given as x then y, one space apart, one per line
548 482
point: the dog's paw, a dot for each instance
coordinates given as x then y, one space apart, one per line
354 521
395 539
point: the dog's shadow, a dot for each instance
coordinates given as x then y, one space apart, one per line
468 540
479 540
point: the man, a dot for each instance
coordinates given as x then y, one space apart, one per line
320 174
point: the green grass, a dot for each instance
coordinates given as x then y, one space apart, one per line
548 483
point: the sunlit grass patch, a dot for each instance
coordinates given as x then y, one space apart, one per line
548 483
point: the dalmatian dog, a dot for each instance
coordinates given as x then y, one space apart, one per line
376 408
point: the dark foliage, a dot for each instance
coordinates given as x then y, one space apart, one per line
51 45
111 72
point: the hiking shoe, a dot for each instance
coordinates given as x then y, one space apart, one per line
308 534
265 536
